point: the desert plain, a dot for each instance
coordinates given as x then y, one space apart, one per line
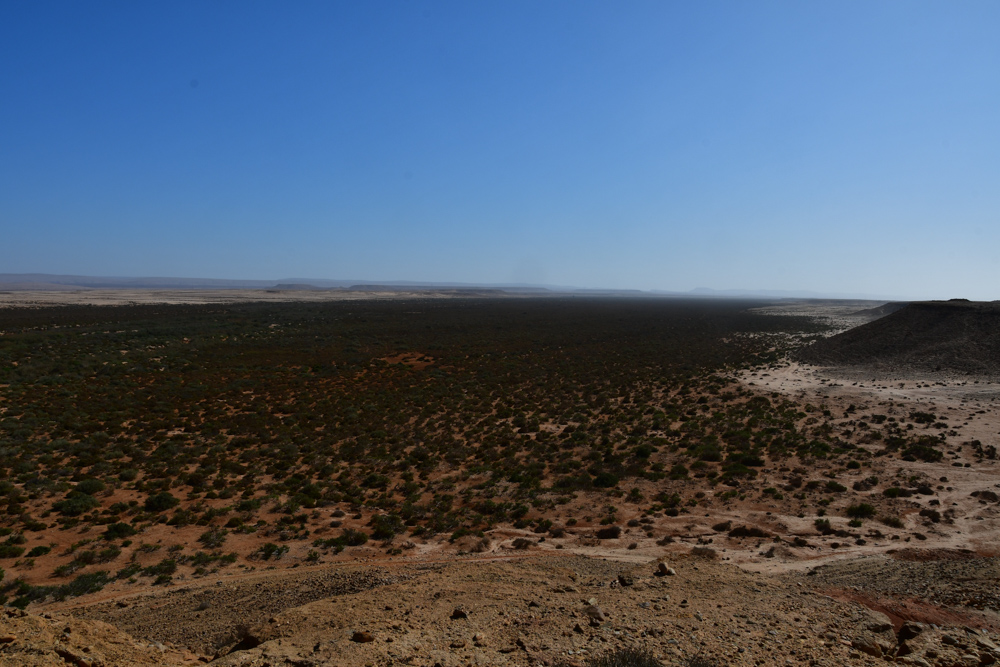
453 479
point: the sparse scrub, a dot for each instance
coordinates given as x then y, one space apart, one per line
213 538
861 511
626 657
607 399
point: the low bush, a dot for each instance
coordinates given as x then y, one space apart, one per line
213 538
626 657
117 531
160 502
861 511
748 531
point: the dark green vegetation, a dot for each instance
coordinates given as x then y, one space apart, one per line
434 416
633 657
300 398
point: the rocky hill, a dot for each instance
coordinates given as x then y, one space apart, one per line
955 336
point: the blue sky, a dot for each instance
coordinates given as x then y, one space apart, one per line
827 146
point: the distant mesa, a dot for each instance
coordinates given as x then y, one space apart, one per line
427 288
24 286
48 281
956 336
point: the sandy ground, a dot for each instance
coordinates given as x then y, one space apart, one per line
971 408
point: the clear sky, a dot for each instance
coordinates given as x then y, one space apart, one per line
834 146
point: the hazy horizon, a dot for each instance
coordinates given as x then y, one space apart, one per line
835 148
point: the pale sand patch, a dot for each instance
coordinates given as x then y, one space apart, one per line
970 408
133 297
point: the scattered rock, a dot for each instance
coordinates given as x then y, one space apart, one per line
77 658
596 615
867 644
664 570
362 637
909 630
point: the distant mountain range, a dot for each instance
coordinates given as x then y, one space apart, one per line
48 281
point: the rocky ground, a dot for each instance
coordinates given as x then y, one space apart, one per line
57 640
930 580
546 610
205 617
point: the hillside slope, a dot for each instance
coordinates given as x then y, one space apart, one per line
951 336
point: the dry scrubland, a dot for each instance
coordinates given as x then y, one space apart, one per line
272 483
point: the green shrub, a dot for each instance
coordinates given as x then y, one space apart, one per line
354 538
861 511
609 533
213 538
90 486
84 584
160 502
271 550
128 571
626 657
748 531
117 531
10 551
923 452
735 469
746 459
167 566
386 526
933 515
605 480
75 504
250 505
